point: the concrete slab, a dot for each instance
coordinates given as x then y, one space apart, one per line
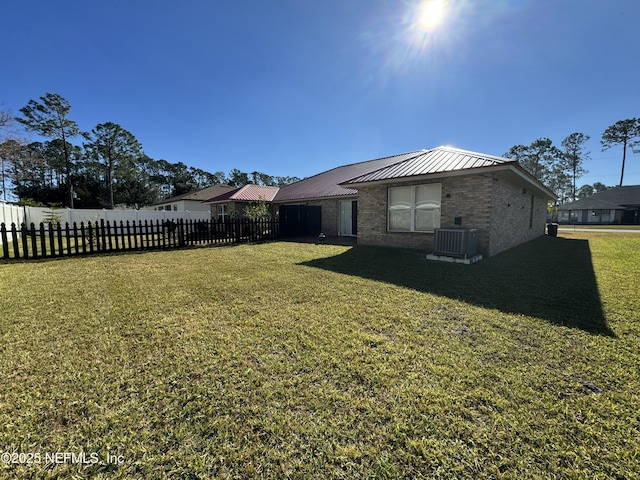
464 261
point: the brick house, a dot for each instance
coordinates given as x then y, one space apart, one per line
233 203
614 206
400 200
192 201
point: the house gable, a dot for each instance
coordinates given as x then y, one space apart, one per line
494 195
191 200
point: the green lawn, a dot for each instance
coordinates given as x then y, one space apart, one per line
600 227
286 360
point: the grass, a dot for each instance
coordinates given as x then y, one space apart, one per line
287 360
599 227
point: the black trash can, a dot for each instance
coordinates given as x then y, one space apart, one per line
552 229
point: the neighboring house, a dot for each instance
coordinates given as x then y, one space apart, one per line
400 200
192 201
234 202
618 205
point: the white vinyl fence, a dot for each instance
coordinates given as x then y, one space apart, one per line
10 214
13 214
36 215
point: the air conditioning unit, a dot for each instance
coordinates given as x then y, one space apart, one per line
455 242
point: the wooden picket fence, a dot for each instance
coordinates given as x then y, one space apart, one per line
31 242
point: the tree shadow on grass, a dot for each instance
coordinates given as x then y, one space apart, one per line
549 278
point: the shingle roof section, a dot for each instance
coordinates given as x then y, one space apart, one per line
436 160
248 193
616 198
326 184
200 195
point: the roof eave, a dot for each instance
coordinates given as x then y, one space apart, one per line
314 199
521 172
456 173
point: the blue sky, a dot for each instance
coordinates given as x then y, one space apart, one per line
295 87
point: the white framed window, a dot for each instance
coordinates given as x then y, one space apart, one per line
222 212
415 208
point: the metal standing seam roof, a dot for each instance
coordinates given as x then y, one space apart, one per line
327 184
248 193
437 160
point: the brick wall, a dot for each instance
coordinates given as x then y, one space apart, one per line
514 221
467 197
492 204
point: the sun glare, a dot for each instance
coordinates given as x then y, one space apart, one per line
431 14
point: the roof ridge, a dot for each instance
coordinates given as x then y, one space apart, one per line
433 156
357 163
479 154
384 158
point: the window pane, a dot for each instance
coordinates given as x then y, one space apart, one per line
400 208
428 194
427 213
400 219
400 196
427 219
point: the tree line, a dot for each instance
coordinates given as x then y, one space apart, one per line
107 167
559 168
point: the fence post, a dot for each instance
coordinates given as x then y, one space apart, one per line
90 228
181 233
67 234
115 234
84 238
128 235
59 233
109 235
146 232
43 243
135 234
5 241
14 241
103 235
25 243
34 242
75 239
52 240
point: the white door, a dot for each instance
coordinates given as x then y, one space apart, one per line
348 217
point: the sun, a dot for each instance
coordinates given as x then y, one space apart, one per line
430 14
